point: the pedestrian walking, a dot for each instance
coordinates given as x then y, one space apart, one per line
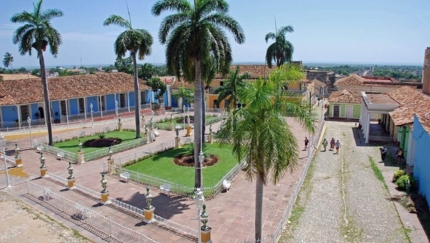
325 144
306 143
332 142
337 146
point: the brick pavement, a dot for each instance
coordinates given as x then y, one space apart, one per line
231 215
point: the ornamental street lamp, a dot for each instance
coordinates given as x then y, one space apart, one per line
29 126
199 199
91 110
177 128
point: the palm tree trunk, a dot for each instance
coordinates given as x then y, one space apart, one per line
198 183
136 97
203 115
259 187
46 97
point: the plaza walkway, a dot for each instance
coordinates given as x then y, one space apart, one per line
342 200
231 215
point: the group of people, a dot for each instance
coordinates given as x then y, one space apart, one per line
399 154
333 144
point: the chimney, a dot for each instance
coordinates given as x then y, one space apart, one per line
426 72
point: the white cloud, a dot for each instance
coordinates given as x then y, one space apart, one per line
6 30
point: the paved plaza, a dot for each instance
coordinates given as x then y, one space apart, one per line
231 215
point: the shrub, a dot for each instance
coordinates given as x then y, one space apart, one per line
102 135
402 182
398 174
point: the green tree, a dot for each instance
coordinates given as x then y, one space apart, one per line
194 34
124 65
8 60
229 91
146 71
35 72
261 135
157 86
281 51
37 32
185 94
138 42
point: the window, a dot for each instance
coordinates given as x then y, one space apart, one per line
143 97
122 102
63 107
221 83
24 112
335 111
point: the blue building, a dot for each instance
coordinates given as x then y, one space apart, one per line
420 153
72 97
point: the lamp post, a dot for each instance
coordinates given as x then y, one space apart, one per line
199 199
116 108
91 110
29 126
5 168
152 114
177 128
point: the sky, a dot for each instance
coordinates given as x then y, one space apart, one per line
329 31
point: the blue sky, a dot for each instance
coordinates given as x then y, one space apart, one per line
330 31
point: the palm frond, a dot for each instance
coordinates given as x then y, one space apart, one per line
20 32
49 14
170 5
269 36
229 23
285 29
25 42
120 45
117 20
37 8
169 23
271 54
24 17
146 42
207 7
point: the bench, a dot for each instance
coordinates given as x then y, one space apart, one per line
125 176
156 133
60 155
166 188
226 185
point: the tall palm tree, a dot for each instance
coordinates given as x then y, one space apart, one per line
7 60
193 35
37 32
280 51
138 42
260 134
229 91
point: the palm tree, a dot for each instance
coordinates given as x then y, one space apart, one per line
38 33
281 51
228 91
7 60
261 135
193 35
138 42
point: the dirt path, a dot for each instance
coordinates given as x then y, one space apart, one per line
342 200
21 223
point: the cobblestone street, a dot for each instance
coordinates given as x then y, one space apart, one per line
341 199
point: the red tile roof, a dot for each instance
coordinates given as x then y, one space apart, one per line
345 96
411 102
25 91
425 121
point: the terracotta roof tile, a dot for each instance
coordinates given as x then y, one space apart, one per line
353 79
255 71
181 83
16 76
318 83
380 99
345 96
425 121
411 102
25 91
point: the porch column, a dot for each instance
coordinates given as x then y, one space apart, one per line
128 101
44 113
18 111
67 111
101 105
367 127
85 107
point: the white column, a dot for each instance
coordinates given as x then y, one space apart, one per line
19 116
67 111
128 101
367 127
44 113
85 107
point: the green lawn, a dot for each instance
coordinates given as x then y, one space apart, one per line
72 145
162 166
